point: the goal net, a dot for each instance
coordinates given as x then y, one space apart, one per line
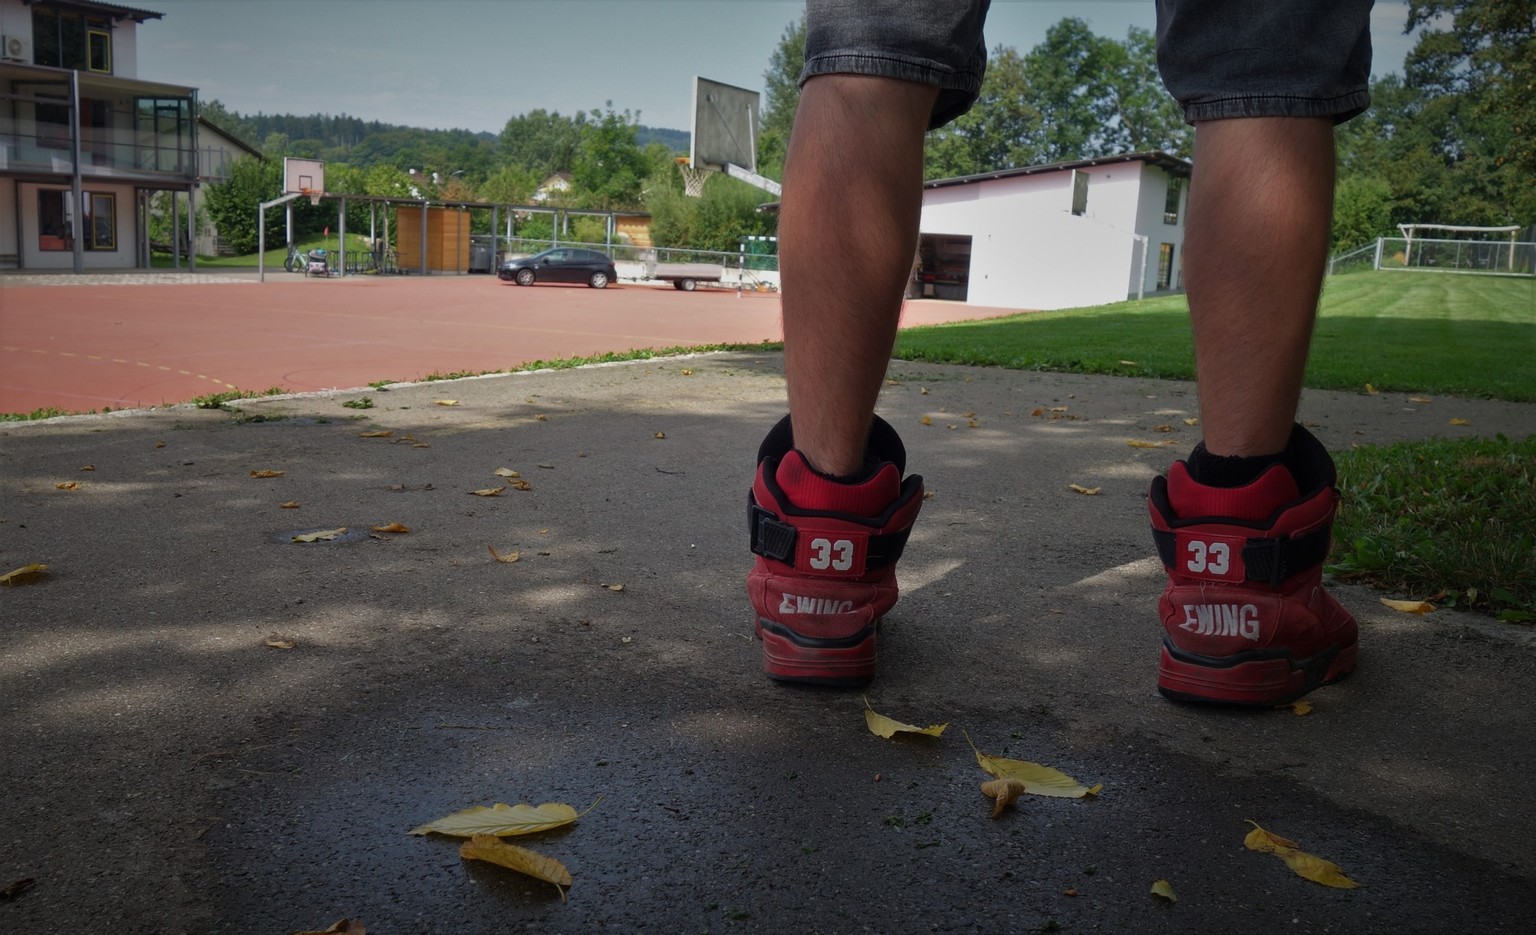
1458 248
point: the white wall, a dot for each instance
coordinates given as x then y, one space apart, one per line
1029 251
16 20
1149 221
122 257
125 49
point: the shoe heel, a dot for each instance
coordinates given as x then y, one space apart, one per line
792 657
1275 680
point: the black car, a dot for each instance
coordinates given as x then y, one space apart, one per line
562 264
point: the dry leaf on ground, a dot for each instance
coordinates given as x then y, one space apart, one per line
15 888
505 558
382 433
445 402
1370 390
88 467
661 434
68 485
1309 866
393 527
882 726
324 535
520 485
541 418
1138 443
343 927
26 574
1002 792
503 820
289 505
1085 491
488 492
1300 708
1191 421
614 587
506 472
1037 779
1420 399
1461 421
268 473
1409 607
279 641
926 420
1164 889
493 850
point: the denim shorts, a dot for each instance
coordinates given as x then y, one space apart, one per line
1219 58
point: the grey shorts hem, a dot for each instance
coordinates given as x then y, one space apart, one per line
957 89
1339 109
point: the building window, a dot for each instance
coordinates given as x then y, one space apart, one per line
1164 265
54 220
1079 192
68 40
1171 207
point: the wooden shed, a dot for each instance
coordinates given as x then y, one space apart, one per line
447 232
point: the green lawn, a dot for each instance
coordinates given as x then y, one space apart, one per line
1413 332
275 256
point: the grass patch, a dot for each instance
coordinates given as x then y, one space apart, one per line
217 400
47 412
610 357
1452 516
362 402
275 256
1408 332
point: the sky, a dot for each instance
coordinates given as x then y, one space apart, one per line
473 64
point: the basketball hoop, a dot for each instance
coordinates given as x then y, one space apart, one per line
693 177
313 194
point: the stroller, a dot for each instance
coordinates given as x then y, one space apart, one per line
317 263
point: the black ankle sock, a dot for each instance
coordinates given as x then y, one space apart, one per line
1228 470
871 466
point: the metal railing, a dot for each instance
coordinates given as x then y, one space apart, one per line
46 145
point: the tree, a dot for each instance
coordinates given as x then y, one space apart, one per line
1146 116
610 168
510 185
232 205
542 141
1362 211
1002 130
719 220
781 85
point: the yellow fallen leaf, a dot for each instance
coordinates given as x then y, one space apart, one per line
520 485
1459 421
506 472
159 444
421 445
268 473
1191 421
505 558
922 391
488 492
290 505
1420 399
392 527
614 587
68 485
1164 889
1085 491
974 424
1305 865
541 418
1128 363
278 641
493 850
1037 779
547 467
344 927
661 434
502 820
926 420
1370 390
323 536
1059 408
1002 792
1162 428
382 433
1409 607
686 372
445 402
88 467
882 726
1138 443
1300 708
26 574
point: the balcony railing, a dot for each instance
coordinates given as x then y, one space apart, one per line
37 145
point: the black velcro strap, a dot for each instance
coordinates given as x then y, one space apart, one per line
1274 560
1268 560
771 537
886 550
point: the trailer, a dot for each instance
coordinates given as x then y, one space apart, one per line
687 276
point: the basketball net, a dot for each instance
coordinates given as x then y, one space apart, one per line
313 195
693 178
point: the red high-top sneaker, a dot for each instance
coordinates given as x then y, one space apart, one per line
825 572
1245 617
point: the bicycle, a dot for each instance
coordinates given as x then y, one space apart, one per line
296 261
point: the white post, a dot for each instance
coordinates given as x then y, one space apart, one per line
1380 243
1141 278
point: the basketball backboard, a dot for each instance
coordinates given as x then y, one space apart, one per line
725 125
303 175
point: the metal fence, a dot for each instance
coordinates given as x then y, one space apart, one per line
1489 257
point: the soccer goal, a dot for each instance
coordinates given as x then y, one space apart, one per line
1458 248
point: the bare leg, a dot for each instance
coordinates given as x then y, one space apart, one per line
1260 205
853 186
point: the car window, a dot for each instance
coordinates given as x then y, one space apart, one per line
556 256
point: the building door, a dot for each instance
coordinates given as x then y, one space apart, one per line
943 267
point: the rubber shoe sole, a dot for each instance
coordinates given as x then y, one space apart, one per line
1249 679
847 662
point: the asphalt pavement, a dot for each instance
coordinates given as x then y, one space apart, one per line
166 770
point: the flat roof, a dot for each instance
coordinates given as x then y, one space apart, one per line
1173 164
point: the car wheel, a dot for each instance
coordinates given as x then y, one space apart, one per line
525 277
688 285
598 281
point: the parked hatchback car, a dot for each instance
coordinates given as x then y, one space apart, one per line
562 264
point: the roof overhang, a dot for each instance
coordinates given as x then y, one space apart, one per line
15 71
113 10
1171 164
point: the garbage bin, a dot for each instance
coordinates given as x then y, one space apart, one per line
482 255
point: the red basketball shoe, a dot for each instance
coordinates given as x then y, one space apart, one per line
825 572
1245 617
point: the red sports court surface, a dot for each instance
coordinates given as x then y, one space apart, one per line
85 347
